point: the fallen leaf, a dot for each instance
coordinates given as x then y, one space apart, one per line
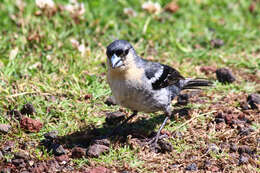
172 7
13 53
151 7
130 12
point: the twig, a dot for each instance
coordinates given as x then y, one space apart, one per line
190 120
25 93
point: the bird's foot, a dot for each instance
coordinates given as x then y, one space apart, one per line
153 143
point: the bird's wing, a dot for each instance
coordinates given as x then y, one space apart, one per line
161 76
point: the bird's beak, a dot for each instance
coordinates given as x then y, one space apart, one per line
116 61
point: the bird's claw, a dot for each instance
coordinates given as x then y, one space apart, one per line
153 143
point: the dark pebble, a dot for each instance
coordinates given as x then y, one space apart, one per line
225 76
245 131
28 109
6 170
244 105
253 100
18 162
58 149
15 114
177 134
22 155
219 120
51 135
114 117
183 99
78 152
245 149
216 43
109 101
242 160
164 146
5 128
8 146
233 148
192 167
104 141
184 112
96 150
213 148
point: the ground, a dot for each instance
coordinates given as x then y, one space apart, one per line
52 78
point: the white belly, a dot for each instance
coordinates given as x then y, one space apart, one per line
138 97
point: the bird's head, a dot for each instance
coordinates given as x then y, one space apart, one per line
120 54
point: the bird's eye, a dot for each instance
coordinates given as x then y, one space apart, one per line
126 51
119 52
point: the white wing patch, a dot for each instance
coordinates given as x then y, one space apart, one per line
157 75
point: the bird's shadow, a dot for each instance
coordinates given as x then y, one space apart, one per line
142 129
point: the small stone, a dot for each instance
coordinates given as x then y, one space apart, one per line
165 146
172 7
242 160
28 109
233 148
8 146
15 114
87 96
219 120
22 155
31 162
6 170
5 128
254 101
225 76
1 155
96 150
192 167
214 169
244 131
244 105
216 43
109 101
105 142
213 148
51 135
183 99
99 169
245 149
208 69
78 152
30 125
18 162
114 117
58 149
252 7
62 158
184 112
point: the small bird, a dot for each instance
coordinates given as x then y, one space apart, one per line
142 85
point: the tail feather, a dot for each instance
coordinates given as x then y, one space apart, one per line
196 83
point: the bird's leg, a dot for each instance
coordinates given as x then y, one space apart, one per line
154 141
123 123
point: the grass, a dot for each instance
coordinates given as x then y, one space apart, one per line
40 65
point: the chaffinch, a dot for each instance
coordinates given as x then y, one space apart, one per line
144 86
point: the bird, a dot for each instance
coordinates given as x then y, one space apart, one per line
144 86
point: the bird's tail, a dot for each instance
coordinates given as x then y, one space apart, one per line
196 83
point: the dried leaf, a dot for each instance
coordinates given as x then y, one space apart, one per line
151 7
13 53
